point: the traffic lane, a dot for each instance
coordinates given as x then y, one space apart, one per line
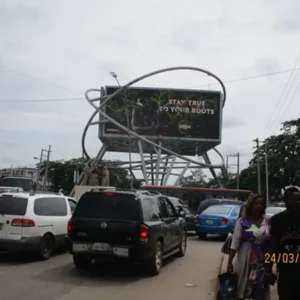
57 278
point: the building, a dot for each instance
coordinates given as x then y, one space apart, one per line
20 172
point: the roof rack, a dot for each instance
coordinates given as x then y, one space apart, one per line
32 193
140 192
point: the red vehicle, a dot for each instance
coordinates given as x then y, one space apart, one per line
192 196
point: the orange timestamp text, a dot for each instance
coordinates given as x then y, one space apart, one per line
282 258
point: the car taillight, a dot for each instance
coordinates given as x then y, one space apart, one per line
197 219
22 222
108 194
144 232
225 220
69 227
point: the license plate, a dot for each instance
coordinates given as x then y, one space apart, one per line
81 247
209 222
100 247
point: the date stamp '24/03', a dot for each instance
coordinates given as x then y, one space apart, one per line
282 258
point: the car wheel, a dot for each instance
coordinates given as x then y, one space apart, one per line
202 236
182 246
46 247
154 265
81 261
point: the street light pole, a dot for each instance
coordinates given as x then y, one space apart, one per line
115 76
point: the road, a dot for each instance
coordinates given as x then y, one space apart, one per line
190 277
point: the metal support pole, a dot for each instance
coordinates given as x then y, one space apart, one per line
143 162
47 169
267 172
169 170
158 161
182 174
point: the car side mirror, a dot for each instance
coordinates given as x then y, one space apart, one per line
181 214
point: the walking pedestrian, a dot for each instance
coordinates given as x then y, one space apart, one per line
285 246
248 248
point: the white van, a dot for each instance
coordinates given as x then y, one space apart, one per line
34 222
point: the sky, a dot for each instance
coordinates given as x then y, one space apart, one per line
53 51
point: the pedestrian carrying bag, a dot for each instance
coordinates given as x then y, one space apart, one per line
228 283
227 244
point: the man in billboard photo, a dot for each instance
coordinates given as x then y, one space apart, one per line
145 117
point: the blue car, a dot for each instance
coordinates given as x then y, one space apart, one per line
217 219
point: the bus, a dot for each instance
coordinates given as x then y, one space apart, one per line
192 196
25 183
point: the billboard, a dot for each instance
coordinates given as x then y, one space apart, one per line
192 115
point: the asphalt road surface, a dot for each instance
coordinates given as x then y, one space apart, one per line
57 278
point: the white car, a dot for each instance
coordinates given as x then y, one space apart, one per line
34 222
273 210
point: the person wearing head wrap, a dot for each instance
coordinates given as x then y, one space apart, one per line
248 248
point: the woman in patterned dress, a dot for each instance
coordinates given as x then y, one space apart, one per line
248 248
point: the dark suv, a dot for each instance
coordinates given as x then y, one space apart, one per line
141 228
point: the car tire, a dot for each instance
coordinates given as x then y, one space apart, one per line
46 247
81 261
154 265
202 236
182 246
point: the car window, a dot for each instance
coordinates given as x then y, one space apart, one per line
170 208
236 211
15 206
186 210
108 205
163 207
72 204
150 209
50 206
217 210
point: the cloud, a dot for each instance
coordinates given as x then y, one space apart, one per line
48 54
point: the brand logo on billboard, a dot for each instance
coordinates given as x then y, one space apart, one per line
184 127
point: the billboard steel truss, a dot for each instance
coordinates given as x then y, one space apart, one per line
195 128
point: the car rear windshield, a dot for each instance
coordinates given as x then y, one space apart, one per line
15 206
108 206
217 210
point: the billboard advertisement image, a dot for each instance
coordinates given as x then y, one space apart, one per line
167 113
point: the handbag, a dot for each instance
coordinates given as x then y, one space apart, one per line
228 286
227 244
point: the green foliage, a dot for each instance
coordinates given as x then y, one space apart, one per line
61 174
283 160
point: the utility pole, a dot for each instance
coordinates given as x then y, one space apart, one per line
47 169
237 155
258 166
227 163
267 172
39 170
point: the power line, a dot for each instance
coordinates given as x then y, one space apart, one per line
282 99
42 100
227 81
250 77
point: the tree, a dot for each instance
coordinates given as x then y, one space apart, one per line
61 174
283 160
